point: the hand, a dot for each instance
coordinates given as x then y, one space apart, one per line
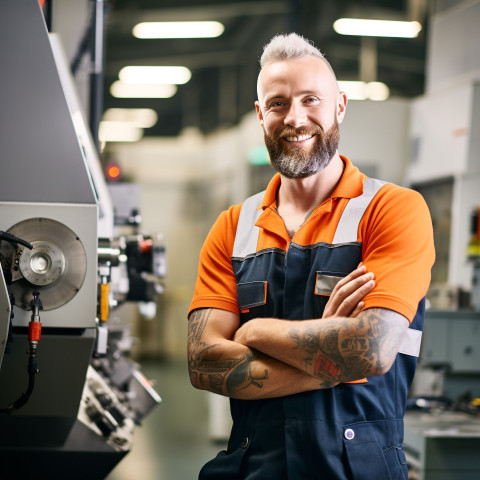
346 298
240 334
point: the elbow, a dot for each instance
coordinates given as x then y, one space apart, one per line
193 372
194 381
195 378
386 364
368 368
382 366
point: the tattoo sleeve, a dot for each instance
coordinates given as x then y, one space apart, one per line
344 351
210 369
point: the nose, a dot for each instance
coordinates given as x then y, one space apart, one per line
296 116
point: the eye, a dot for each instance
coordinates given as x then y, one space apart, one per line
311 100
276 104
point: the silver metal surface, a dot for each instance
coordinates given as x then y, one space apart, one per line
42 160
43 265
5 310
56 266
80 311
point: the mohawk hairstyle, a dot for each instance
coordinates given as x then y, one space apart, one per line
285 47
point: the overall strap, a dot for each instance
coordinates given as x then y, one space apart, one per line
246 237
347 231
347 227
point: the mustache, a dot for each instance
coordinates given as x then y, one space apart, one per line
293 132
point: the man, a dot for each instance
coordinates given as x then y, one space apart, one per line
287 320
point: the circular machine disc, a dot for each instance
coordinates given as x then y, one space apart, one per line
56 266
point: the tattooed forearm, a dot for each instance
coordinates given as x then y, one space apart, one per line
211 371
196 326
347 350
230 376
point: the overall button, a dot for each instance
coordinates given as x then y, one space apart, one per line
349 434
244 443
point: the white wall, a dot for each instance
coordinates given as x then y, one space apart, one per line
374 135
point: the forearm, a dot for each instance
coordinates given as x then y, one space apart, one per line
337 349
229 368
237 371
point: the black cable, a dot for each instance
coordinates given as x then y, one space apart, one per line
20 402
8 237
33 337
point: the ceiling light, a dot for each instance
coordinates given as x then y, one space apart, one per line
119 132
126 90
152 75
376 28
377 91
178 30
139 117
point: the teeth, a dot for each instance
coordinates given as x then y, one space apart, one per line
300 138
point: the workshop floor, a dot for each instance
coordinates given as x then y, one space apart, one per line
172 443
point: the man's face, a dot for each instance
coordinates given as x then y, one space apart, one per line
296 161
300 109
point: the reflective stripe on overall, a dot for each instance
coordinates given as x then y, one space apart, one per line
351 431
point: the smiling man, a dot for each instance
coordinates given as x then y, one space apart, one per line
309 302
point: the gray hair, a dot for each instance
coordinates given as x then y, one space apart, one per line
286 47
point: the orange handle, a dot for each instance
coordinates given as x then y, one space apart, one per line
104 289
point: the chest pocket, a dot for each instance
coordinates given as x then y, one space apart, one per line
324 284
252 299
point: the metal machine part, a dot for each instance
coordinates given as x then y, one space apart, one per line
103 412
5 311
56 265
442 445
473 254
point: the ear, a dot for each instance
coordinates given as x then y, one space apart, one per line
341 106
259 112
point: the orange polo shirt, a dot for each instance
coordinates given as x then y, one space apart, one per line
395 232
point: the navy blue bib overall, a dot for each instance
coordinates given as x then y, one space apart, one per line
351 431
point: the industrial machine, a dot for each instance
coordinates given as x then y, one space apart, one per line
70 396
442 429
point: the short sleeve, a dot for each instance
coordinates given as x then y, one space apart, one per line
397 246
216 286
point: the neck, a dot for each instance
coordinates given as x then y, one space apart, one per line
305 194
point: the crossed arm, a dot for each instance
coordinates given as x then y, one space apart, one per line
269 357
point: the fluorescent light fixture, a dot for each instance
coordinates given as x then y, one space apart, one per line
120 89
376 91
139 117
178 30
119 132
376 28
153 74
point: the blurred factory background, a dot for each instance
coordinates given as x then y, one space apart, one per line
160 158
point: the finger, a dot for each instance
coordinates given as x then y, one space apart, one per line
352 286
341 294
357 309
360 270
350 302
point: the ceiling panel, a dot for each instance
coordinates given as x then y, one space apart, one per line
224 69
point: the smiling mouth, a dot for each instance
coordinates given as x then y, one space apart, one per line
298 138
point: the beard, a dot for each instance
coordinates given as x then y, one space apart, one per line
292 161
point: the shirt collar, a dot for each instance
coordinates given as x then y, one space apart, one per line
349 186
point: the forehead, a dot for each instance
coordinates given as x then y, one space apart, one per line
300 74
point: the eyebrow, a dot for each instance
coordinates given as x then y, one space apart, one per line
303 93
